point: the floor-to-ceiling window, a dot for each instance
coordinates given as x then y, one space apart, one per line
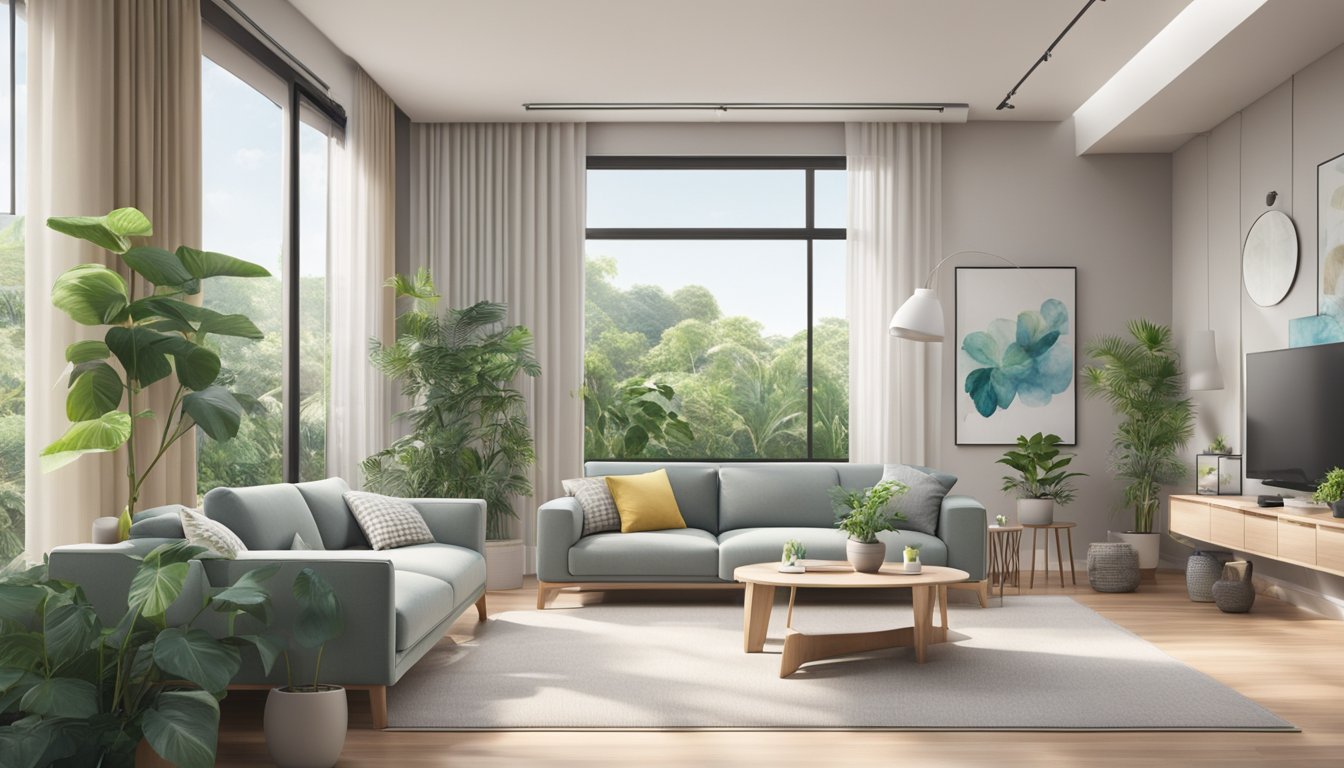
715 292
13 117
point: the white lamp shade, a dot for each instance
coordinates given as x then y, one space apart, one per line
1202 362
920 318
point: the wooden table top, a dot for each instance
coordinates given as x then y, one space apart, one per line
843 577
1051 525
1004 528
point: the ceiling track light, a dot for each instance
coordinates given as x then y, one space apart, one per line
726 106
1044 57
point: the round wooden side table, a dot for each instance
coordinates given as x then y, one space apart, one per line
1005 556
1059 555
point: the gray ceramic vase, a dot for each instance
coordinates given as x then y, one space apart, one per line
866 558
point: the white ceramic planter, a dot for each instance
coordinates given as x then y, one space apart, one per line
1035 511
306 729
1146 544
504 564
866 558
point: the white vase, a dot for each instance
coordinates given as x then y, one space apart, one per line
504 564
866 558
1145 544
913 566
1035 511
104 530
306 729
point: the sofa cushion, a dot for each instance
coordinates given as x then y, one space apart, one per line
327 503
675 552
158 523
696 487
264 516
599 508
421 603
645 502
922 502
746 546
216 537
387 522
461 567
760 496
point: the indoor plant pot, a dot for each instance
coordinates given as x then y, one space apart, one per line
1145 544
1337 508
503 564
1035 511
306 728
866 558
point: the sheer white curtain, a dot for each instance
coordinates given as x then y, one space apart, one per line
894 237
362 237
497 213
113 120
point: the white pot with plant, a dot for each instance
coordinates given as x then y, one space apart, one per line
1141 378
912 564
863 515
1331 491
305 723
791 561
1040 480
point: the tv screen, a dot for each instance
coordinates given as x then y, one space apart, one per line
1294 415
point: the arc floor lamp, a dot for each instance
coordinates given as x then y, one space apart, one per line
920 318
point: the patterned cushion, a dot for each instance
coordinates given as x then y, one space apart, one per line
388 523
599 508
218 540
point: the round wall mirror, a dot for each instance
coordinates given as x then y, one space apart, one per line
1269 260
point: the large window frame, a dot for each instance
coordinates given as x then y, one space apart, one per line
809 233
301 96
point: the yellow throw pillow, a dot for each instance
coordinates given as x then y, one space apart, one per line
645 502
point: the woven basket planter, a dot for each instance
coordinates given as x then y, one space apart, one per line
1202 569
1235 592
1112 567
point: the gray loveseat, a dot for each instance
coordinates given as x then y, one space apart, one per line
398 602
738 514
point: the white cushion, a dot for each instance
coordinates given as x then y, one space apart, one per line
217 539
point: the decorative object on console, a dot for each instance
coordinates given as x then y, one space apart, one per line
1218 474
862 515
1112 567
305 724
1015 353
1202 569
1235 592
1141 378
1041 480
144 332
791 560
1331 491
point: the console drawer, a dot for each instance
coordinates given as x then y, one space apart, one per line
1297 541
1262 533
1190 518
1330 548
1227 527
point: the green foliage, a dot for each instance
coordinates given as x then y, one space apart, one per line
1141 378
151 338
1040 469
11 390
911 552
469 435
865 513
319 621
84 691
1331 489
793 550
1219 446
624 426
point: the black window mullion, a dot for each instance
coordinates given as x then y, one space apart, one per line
290 286
811 226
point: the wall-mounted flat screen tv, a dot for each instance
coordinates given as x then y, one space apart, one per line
1294 415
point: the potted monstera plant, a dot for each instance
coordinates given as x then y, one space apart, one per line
863 514
152 337
305 722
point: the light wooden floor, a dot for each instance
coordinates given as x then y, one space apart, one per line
1284 658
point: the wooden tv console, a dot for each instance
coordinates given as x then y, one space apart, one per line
1307 536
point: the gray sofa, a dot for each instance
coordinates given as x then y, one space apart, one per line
398 603
737 514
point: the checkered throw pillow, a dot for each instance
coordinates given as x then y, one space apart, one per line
599 508
217 539
387 523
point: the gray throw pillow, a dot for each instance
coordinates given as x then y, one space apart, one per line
388 523
599 508
922 504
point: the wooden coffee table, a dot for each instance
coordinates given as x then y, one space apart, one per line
799 648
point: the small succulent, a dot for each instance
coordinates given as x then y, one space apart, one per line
1219 446
911 552
793 552
1002 520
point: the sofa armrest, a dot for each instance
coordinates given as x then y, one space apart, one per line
454 521
963 526
105 571
559 526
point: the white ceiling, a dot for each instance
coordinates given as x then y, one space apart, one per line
465 60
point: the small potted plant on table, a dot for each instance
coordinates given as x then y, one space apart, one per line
792 559
863 515
912 564
1331 491
1041 481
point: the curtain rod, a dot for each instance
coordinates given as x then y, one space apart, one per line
726 106
275 44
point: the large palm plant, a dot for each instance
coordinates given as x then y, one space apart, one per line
469 435
1141 378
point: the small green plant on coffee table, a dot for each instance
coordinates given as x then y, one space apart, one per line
1040 467
793 551
864 513
912 552
1331 489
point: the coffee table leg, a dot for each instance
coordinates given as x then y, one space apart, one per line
923 618
756 616
1031 578
942 604
1073 569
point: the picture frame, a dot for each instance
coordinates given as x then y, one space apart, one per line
1003 388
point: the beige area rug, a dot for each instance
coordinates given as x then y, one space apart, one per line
1038 663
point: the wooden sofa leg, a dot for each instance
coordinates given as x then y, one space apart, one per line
480 609
982 592
543 593
378 705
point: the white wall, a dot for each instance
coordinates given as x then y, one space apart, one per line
1018 190
1273 144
